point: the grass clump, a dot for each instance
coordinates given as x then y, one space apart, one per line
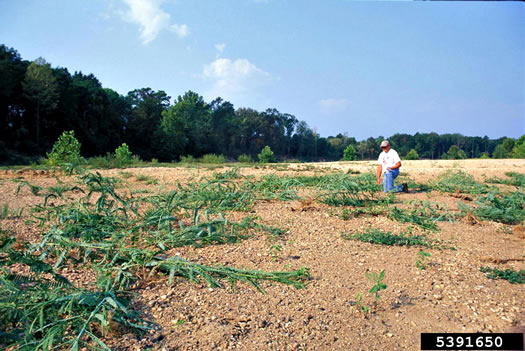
514 277
376 236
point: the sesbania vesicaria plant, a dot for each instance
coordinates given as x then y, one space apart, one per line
119 238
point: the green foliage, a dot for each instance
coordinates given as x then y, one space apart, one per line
232 173
344 190
412 155
508 209
416 216
65 150
420 263
188 159
372 211
122 241
272 187
349 154
101 162
484 156
376 236
518 151
123 156
213 159
514 277
244 158
458 182
455 153
516 179
504 150
377 279
266 155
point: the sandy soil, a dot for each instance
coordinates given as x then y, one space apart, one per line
450 295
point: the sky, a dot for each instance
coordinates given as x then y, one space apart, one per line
365 68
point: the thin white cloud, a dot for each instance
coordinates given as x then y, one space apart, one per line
152 19
332 105
235 79
220 47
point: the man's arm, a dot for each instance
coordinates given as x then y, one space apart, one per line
396 166
379 171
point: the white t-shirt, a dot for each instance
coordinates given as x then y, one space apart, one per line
388 159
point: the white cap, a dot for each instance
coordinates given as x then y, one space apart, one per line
385 143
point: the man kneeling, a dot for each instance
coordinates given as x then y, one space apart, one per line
389 164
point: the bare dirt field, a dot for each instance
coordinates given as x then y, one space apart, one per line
450 295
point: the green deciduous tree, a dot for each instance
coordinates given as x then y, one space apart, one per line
455 153
349 153
412 155
266 155
504 150
518 151
65 150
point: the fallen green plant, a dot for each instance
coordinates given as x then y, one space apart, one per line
123 241
516 179
344 190
232 173
273 187
5 213
43 310
372 211
416 216
216 195
376 236
434 211
502 208
514 277
458 182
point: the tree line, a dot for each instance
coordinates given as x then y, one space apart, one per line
39 102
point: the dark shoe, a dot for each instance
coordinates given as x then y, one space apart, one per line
405 187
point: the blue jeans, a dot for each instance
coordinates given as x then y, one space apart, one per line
388 181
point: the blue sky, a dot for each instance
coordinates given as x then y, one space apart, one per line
365 68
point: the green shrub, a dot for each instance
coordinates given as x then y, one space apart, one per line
65 150
484 155
349 153
123 156
412 155
213 158
266 155
188 159
244 158
102 161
